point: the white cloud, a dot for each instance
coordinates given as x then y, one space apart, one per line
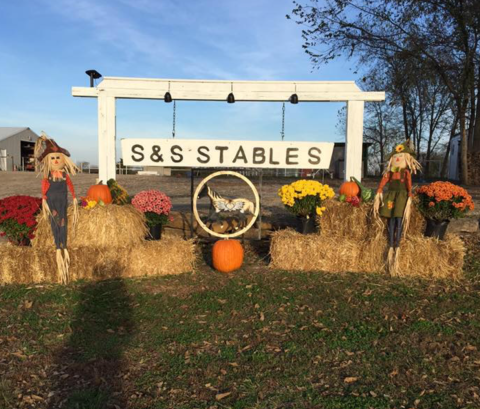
200 38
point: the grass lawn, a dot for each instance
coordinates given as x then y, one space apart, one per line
255 339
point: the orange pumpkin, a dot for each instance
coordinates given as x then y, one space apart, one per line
349 189
227 255
100 192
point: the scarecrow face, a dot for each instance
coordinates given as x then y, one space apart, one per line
56 160
399 161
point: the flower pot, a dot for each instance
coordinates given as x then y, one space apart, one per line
155 232
308 225
436 228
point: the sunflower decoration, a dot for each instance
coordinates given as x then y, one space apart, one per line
399 148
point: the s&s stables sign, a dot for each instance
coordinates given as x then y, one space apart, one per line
230 154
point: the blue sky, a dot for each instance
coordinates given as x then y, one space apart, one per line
48 44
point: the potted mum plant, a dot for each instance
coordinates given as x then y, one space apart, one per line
440 202
156 206
304 198
18 218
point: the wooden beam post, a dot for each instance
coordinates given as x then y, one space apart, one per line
354 140
106 138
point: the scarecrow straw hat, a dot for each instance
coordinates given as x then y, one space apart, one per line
405 147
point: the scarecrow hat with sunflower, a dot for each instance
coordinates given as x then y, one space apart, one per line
405 147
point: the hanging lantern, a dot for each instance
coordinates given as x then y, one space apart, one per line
231 97
168 97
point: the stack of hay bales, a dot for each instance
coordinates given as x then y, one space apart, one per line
352 240
107 242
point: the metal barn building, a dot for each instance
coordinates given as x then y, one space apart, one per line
16 148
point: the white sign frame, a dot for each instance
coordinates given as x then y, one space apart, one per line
194 153
113 88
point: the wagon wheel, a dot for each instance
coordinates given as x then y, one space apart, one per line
239 232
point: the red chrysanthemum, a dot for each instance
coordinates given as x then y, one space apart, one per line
17 218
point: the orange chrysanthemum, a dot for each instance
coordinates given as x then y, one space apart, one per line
444 197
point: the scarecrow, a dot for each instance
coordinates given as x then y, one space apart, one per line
396 204
56 166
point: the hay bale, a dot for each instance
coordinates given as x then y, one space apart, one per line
290 250
24 265
102 226
432 258
345 221
161 257
420 256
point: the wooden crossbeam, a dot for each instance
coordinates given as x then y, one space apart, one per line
205 90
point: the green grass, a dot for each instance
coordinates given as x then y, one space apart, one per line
86 399
270 339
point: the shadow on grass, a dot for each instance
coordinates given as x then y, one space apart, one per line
90 368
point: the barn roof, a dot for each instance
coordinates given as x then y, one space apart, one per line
7 132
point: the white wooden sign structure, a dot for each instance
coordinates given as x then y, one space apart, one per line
112 88
196 153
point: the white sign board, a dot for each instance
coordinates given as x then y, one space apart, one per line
226 154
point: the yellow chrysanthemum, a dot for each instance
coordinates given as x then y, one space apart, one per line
301 189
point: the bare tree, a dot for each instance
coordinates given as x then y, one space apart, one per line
441 36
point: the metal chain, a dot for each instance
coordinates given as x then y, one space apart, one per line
174 117
283 122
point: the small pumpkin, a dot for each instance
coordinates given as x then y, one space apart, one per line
99 193
349 189
227 255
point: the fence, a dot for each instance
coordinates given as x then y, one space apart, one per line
320 174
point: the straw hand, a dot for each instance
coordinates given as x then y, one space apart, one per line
45 209
75 212
377 204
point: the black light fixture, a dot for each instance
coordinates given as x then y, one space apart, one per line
231 97
168 97
294 97
94 75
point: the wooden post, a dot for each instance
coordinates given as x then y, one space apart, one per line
354 140
106 138
192 190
